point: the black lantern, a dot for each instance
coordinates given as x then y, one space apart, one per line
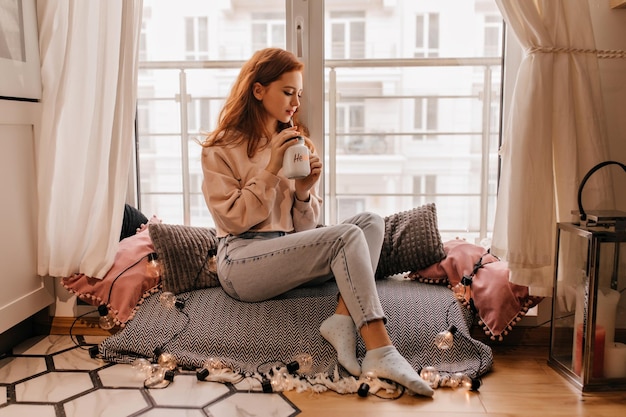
588 335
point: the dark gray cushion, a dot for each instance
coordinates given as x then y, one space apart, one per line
412 241
186 255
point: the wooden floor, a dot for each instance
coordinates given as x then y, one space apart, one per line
520 384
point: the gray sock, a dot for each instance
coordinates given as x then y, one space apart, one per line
340 332
386 362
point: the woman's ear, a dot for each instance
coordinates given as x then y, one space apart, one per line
258 90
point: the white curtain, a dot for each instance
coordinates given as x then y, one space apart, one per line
554 135
89 53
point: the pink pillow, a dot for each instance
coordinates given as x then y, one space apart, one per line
500 303
126 284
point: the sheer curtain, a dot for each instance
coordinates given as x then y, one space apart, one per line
554 135
89 75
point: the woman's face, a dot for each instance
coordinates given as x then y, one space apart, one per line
281 98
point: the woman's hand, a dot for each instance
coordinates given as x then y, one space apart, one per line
279 143
304 185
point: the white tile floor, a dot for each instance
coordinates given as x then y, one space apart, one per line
53 376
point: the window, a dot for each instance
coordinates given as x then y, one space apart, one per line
427 35
401 126
348 35
199 114
424 187
425 119
268 30
196 38
351 122
493 35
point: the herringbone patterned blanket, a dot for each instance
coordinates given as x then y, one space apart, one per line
248 336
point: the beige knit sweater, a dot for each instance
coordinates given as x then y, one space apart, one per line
242 196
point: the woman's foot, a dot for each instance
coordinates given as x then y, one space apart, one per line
340 332
386 362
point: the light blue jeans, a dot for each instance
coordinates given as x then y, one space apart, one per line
255 266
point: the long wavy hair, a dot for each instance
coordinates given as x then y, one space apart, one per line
243 117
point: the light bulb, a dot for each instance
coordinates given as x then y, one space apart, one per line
157 377
431 376
460 289
153 267
444 340
211 365
367 384
278 380
471 384
167 361
455 379
106 319
168 299
303 362
142 366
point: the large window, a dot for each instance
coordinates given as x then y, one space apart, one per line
411 103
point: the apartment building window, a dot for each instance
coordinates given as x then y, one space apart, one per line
199 114
493 35
196 38
427 35
268 30
424 187
425 117
348 35
351 122
348 207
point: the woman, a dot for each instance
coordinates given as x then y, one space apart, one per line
267 224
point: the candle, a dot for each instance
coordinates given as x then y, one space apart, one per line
598 351
615 361
606 309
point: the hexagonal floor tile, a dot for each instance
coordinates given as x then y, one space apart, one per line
107 402
120 375
76 359
28 410
187 391
168 412
53 386
15 369
44 345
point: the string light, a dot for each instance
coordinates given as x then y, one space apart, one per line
142 366
106 320
367 384
432 377
167 361
303 362
210 366
461 288
444 340
169 300
153 267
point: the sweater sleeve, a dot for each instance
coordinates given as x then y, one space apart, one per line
236 206
306 214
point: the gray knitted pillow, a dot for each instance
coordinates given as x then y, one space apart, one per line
412 241
185 253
